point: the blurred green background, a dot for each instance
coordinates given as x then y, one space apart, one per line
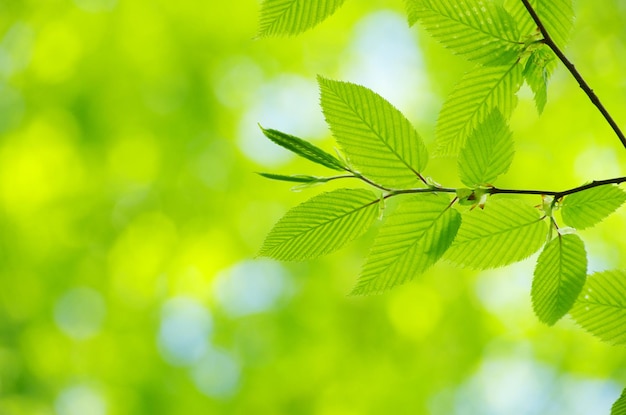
130 214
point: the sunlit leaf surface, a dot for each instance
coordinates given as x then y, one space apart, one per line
601 307
412 239
556 15
376 137
559 277
480 30
506 231
321 225
131 211
589 207
290 17
479 92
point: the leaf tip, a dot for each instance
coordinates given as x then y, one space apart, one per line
547 320
361 290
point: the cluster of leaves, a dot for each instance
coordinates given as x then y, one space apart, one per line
381 147
477 226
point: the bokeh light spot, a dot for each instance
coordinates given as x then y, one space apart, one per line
57 51
415 310
11 107
288 103
39 165
506 295
213 165
384 50
597 162
217 374
235 81
140 255
16 49
96 5
184 332
134 158
80 312
80 400
250 287
519 386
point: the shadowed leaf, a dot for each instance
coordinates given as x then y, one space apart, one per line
619 407
488 152
303 149
479 92
537 71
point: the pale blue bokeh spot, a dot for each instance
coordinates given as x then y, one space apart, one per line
289 103
184 332
250 287
80 400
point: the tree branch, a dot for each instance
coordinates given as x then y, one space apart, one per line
558 195
489 191
547 39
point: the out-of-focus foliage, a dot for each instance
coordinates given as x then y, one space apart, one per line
130 212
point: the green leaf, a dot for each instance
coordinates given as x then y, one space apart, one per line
556 15
412 239
619 407
537 71
480 91
321 225
487 153
506 231
290 17
296 178
479 30
601 307
559 277
585 209
304 149
373 134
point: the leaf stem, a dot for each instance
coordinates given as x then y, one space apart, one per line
421 190
547 39
371 183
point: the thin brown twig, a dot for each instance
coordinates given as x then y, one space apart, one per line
547 39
